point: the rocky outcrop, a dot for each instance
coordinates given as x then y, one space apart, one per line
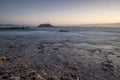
45 25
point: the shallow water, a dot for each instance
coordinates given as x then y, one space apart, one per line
89 51
97 36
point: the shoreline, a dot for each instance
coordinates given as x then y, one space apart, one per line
52 56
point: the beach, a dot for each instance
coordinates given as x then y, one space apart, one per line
51 54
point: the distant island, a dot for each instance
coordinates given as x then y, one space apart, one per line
45 25
13 28
8 25
22 27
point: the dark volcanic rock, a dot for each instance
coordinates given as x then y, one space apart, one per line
63 31
45 25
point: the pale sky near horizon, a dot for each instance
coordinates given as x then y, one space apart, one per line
59 12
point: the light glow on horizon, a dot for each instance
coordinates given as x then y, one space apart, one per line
59 12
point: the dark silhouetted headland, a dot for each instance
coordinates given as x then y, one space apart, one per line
45 25
14 28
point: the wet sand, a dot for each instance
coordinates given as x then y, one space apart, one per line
52 55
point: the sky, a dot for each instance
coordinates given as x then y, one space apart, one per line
59 12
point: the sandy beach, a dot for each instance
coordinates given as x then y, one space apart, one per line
47 54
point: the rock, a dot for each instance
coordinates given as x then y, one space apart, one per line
39 77
45 25
118 56
109 61
107 64
4 77
53 78
33 78
56 48
104 69
63 31
0 77
4 59
15 78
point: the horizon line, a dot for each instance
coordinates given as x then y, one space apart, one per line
63 24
